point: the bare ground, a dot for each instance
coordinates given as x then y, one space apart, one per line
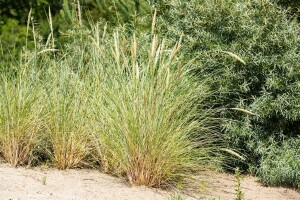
40 184
223 186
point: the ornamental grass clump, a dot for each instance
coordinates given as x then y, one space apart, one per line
153 127
66 125
123 99
20 114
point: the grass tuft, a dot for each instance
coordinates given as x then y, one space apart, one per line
20 115
152 132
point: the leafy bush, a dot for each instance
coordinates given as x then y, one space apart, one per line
118 11
281 166
251 50
12 35
292 6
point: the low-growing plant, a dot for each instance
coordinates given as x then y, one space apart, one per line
44 180
176 197
238 179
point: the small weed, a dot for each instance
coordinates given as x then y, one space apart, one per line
202 187
176 197
44 179
238 178
214 198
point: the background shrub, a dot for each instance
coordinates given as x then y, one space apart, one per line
280 166
293 5
251 50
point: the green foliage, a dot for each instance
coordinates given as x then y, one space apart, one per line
12 35
245 52
122 100
12 38
293 5
13 21
281 166
176 197
156 128
251 50
66 124
238 179
20 114
120 11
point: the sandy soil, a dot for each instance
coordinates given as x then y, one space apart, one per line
39 184
223 186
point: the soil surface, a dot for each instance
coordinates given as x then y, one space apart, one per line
42 183
223 186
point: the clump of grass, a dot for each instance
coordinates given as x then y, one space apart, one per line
129 96
20 114
66 117
43 107
152 127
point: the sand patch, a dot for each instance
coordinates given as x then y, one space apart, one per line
42 184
